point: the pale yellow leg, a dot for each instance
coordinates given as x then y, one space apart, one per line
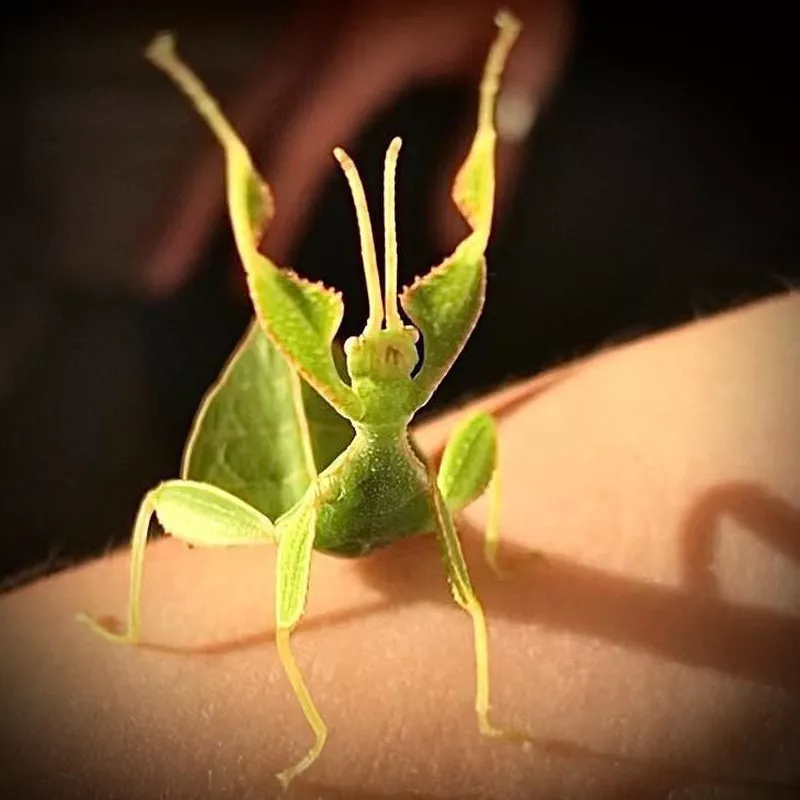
138 546
309 709
295 546
465 596
197 513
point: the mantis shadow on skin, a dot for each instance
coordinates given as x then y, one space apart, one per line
774 521
680 624
689 626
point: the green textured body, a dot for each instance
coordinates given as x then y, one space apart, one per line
376 492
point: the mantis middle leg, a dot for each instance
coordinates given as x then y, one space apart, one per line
464 594
469 465
197 513
468 469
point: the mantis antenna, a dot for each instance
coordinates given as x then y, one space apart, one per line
375 319
393 321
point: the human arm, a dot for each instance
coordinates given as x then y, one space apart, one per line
635 672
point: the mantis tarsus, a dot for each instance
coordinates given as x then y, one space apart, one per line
268 460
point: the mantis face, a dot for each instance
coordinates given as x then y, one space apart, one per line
380 365
386 349
383 355
380 361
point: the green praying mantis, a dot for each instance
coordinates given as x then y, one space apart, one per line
292 448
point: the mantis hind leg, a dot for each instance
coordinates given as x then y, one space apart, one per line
197 513
468 469
464 594
295 545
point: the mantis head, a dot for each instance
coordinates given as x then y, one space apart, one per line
386 349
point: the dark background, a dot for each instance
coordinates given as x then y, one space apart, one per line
659 184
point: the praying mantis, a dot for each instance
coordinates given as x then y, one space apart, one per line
291 447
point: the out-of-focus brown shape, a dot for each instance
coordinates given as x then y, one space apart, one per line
333 68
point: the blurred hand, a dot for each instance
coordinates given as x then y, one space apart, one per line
332 70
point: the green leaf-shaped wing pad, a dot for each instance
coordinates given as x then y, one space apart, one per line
260 433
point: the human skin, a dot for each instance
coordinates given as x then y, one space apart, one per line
645 636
